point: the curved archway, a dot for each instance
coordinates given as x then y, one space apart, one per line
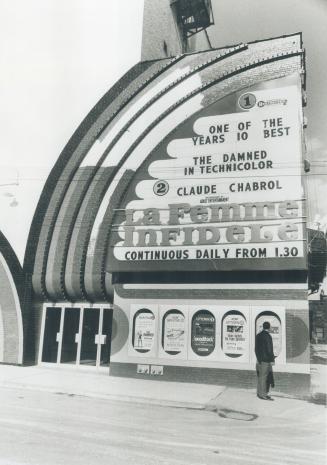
11 321
69 248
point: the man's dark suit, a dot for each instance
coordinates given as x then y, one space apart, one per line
264 347
265 356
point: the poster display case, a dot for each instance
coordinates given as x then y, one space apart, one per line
235 337
203 326
221 333
203 333
275 330
143 330
173 334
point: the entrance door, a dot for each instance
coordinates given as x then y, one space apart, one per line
69 340
105 332
51 334
79 336
90 336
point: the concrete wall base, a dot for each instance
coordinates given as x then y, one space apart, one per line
294 384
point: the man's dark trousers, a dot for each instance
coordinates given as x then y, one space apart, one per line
265 356
263 370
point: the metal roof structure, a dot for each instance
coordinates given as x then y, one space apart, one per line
193 15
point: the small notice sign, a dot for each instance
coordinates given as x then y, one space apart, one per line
157 370
143 369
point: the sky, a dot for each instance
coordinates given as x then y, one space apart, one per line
58 57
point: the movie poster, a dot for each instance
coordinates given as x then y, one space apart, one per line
144 330
275 330
174 334
234 334
203 338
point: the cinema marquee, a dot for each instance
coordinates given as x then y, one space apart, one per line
174 223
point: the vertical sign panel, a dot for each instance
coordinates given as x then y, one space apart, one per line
224 190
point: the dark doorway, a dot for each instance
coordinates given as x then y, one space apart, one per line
90 329
69 340
106 337
51 330
77 335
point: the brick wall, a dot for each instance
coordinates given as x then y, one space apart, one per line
161 37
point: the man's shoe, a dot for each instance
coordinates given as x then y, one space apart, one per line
264 397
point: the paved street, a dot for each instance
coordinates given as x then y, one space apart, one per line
39 428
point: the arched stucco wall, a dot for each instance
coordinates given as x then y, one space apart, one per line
11 324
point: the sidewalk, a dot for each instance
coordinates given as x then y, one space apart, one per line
71 381
226 401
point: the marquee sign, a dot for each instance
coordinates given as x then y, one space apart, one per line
225 190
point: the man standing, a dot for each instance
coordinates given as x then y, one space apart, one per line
265 357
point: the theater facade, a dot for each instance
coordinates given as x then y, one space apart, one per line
173 223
